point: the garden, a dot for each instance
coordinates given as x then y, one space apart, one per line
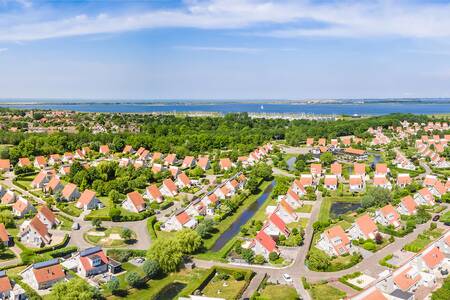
110 237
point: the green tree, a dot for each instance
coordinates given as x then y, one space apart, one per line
114 196
376 197
327 158
133 279
151 268
113 285
167 253
7 218
97 223
115 213
190 241
74 289
318 260
205 228
126 234
252 185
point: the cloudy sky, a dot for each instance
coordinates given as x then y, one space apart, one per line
224 49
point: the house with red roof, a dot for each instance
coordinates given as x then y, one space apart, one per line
336 169
225 164
438 189
293 199
359 169
47 217
298 188
24 162
372 293
174 171
381 169
140 150
210 200
403 179
40 162
88 200
35 233
407 278
263 244
322 142
5 165
22 207
104 149
243 160
429 180
356 183
79 154
183 180
157 156
363 228
168 188
68 157
152 192
5 237
178 221
330 182
424 197
170 159
128 149
382 181
43 275
188 162
306 180
431 259
134 202
156 168
54 185
275 227
54 159
203 162
335 242
64 170
70 192
91 261
309 142
9 197
407 206
286 212
41 179
10 289
316 170
387 215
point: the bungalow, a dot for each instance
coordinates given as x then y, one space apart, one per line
263 244
363 228
170 159
407 278
403 179
330 182
157 156
9 197
335 242
152 192
387 215
225 164
134 202
47 217
40 162
275 226
433 258
70 192
22 207
43 275
381 169
336 169
24 162
10 289
79 154
5 238
88 201
429 180
438 189
407 206
104 149
298 188
53 186
41 180
316 170
183 180
293 199
424 197
203 163
92 261
169 188
306 180
309 142
188 162
34 232
286 212
5 165
54 159
178 221
359 169
381 181
356 183
128 149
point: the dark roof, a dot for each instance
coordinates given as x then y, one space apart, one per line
47 263
114 263
402 295
90 251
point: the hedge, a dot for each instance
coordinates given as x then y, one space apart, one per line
45 249
123 255
102 218
344 279
383 261
151 230
16 183
63 252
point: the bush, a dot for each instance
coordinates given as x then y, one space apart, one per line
370 246
259 259
273 256
305 283
151 269
133 279
238 276
124 255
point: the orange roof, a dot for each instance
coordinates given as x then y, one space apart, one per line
440 187
337 231
188 161
390 210
359 169
157 155
381 168
170 185
24 161
330 180
170 158
136 199
53 183
5 164
353 151
309 141
40 228
68 190
278 222
154 191
86 260
375 295
183 218
50 273
225 163
86 197
406 279
47 213
355 180
305 180
21 205
5 284
127 149
266 241
409 203
203 161
287 207
316 168
336 168
366 225
4 235
213 198
39 178
184 178
379 180
41 161
8 197
403 179
433 257
104 149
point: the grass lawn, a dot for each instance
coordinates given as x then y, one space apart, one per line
326 292
7 255
227 289
304 209
15 271
445 217
25 183
104 237
423 240
66 223
70 209
275 292
324 213
104 212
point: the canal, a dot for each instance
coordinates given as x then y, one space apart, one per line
243 218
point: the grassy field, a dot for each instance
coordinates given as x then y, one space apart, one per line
326 292
324 213
304 209
275 292
105 240
66 223
220 288
423 240
104 212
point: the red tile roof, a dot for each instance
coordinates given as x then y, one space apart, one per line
336 168
278 222
154 191
51 273
5 164
266 241
40 228
5 284
366 225
86 197
183 218
381 168
359 169
86 260
405 280
170 185
4 235
225 163
433 257
48 214
68 190
137 200
409 203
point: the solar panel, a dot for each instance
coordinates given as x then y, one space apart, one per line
47 263
2 273
90 251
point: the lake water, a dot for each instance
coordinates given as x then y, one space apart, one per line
243 218
291 163
253 107
341 208
170 291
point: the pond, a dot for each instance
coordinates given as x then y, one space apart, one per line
291 162
170 291
243 218
341 208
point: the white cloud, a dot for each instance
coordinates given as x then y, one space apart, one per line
3 50
221 49
354 19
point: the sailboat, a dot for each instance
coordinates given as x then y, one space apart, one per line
262 106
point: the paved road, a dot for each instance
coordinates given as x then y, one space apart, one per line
9 183
16 250
276 171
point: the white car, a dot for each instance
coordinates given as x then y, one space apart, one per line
287 278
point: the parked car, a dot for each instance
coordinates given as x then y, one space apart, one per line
287 278
436 218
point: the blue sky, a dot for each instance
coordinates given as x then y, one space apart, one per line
224 49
